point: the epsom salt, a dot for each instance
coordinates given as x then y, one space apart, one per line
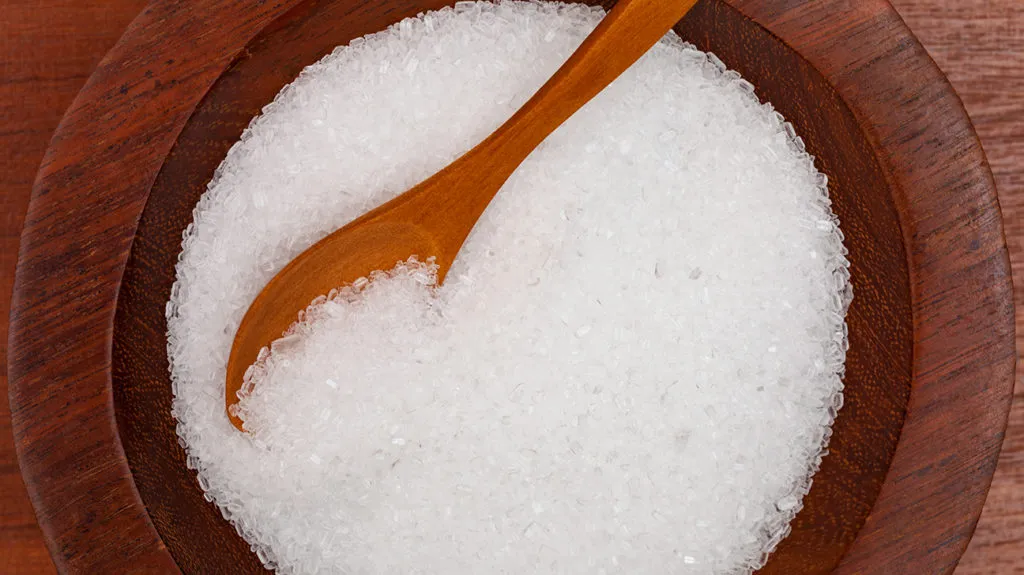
632 367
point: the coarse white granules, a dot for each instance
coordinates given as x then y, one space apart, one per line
631 368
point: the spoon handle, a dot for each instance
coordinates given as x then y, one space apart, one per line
434 218
461 191
630 29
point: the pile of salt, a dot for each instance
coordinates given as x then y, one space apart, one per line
632 367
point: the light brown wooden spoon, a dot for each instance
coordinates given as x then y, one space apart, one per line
434 218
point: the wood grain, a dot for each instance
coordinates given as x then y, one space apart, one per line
989 64
979 44
47 51
88 493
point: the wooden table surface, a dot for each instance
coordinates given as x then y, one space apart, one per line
49 47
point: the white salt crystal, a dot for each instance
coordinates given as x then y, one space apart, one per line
585 394
788 502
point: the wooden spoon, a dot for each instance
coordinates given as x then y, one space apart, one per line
434 218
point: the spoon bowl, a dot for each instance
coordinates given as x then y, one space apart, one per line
433 219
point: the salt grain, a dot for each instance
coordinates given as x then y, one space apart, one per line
556 406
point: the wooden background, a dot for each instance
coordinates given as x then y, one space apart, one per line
49 47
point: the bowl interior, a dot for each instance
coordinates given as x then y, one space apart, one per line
878 367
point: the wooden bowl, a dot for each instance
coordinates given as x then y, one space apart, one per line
929 371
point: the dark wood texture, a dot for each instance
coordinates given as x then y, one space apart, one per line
979 44
938 275
47 50
58 354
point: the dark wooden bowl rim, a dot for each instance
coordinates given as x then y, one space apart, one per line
112 142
